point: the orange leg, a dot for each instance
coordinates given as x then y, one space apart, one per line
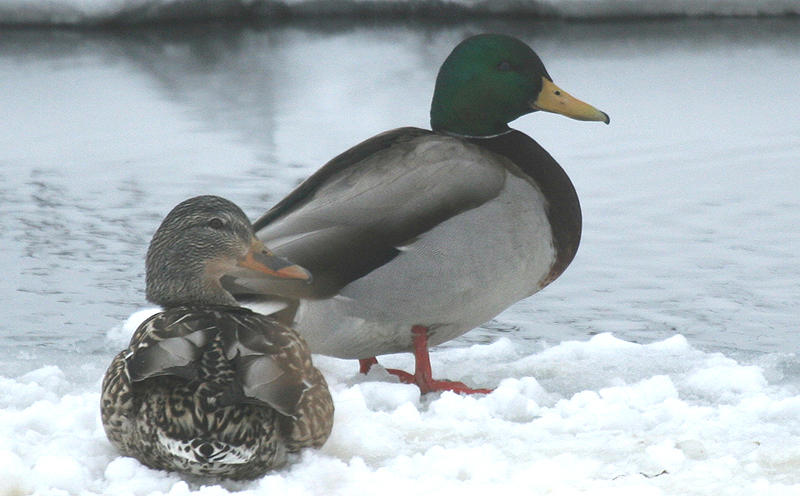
364 364
422 376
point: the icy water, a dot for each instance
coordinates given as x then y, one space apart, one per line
690 196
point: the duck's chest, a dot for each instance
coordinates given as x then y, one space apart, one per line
558 196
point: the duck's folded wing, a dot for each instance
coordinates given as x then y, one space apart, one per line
362 208
269 362
170 343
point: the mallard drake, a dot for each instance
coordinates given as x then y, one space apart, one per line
207 387
415 237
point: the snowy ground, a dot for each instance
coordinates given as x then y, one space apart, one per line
663 362
603 416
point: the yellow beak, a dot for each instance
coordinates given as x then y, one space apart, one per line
554 99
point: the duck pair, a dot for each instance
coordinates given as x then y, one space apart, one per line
405 241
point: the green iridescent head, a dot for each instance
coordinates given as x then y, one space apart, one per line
489 80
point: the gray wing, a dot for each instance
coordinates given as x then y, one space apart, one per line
359 211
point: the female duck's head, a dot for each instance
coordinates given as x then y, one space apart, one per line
199 242
489 80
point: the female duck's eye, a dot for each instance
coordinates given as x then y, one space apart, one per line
216 223
504 66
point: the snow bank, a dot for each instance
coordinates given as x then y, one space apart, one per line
88 12
604 416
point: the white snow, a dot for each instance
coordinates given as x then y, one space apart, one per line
89 12
602 416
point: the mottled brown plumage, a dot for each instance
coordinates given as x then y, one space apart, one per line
207 388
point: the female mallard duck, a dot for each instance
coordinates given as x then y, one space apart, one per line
207 387
415 237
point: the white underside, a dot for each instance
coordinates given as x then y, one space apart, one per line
452 279
224 454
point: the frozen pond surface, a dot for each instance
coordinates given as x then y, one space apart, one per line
690 202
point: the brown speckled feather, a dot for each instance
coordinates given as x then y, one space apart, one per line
215 390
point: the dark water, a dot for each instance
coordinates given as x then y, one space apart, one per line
690 196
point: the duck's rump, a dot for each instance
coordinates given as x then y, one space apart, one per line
177 429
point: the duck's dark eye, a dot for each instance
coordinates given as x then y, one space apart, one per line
504 66
216 223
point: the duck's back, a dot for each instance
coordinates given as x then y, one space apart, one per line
214 391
